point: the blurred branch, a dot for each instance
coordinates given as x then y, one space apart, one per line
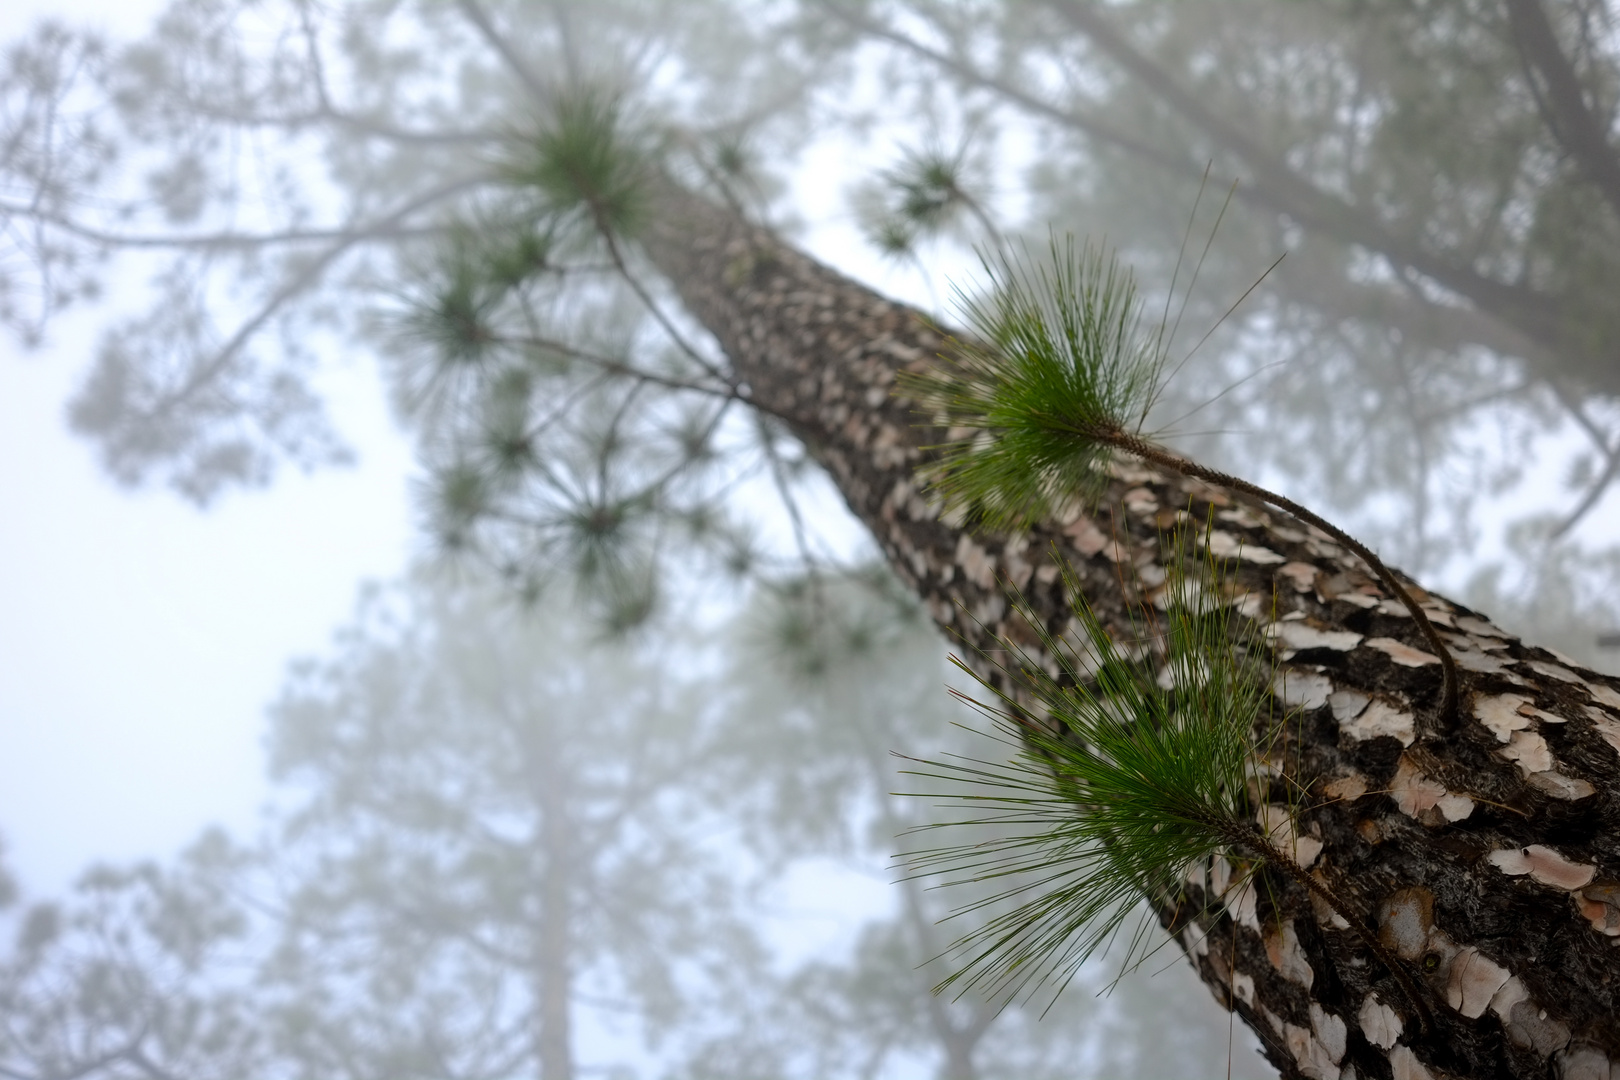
1611 468
306 279
514 63
1275 187
1560 99
1299 198
962 70
214 241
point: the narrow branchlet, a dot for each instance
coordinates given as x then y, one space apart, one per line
1055 376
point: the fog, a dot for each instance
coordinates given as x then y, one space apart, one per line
365 809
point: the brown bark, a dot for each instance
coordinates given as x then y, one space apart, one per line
1487 856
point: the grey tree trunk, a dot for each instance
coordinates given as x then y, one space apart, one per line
553 967
1486 857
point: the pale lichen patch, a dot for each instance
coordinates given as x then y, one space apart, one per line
989 610
1554 671
1482 662
1346 788
1607 726
1380 719
1563 657
1223 544
1559 786
1528 751
1301 575
1605 694
1204 491
1347 704
976 564
1140 500
1427 800
1322 548
1543 864
1243 987
1086 537
1294 634
1244 516
1600 904
1237 892
1508 995
1404 655
1196 873
1306 689
1583 1062
1404 920
1473 981
1437 616
1281 829
1317 1050
1528 1025
1542 714
1286 955
1404 1065
1479 626
1131 472
1380 1024
1325 915
1501 715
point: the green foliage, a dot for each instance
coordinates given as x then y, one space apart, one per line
1117 784
586 160
1053 358
923 196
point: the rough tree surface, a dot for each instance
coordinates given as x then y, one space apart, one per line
1487 857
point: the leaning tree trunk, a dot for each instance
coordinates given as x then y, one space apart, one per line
1486 856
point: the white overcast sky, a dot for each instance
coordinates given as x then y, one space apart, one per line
141 638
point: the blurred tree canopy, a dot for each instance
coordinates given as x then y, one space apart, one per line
467 187
496 848
1442 178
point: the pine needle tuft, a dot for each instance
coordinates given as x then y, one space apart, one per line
1121 778
1055 356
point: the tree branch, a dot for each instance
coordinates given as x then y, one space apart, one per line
1562 99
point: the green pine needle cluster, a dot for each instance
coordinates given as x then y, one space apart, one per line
1115 787
588 159
1054 357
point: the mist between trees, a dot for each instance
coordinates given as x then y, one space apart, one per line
501 848
567 232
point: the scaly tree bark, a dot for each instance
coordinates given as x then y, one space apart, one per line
1483 854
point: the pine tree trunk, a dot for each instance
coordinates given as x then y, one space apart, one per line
1487 857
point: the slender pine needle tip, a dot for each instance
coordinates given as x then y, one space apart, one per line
1054 357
